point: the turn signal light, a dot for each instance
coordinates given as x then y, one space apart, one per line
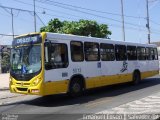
35 91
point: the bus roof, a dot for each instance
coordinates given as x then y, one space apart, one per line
33 33
92 39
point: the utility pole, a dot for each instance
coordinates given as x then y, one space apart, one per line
147 25
12 23
34 15
123 30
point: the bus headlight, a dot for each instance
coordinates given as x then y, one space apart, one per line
36 81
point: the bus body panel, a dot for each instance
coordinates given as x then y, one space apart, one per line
96 73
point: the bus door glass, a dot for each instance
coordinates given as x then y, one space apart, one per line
93 63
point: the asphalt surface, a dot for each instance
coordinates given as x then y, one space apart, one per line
62 107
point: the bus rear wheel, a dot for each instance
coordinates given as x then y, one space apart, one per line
76 87
136 78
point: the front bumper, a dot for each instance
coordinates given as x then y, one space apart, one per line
42 89
26 90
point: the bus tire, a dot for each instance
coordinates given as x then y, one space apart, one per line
136 77
76 87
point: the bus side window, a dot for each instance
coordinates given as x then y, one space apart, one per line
132 52
141 53
77 51
155 54
120 52
58 56
148 53
91 51
107 52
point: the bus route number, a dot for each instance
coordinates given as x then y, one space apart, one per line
76 70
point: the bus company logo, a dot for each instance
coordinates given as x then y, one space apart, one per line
124 67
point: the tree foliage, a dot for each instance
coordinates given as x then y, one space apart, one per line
81 27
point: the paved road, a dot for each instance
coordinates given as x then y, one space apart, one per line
94 101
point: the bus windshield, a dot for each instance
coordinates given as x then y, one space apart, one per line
26 59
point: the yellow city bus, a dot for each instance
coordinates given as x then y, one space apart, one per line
51 63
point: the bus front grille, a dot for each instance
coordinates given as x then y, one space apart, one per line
22 89
25 84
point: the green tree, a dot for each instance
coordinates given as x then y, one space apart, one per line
81 27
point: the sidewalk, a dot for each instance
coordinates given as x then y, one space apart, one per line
4 87
6 94
4 81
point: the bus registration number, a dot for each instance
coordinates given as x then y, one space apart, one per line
76 70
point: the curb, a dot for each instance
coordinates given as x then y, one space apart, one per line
4 89
5 103
10 97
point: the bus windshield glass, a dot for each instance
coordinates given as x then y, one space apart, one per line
25 60
25 57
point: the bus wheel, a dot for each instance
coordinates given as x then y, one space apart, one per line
76 87
136 78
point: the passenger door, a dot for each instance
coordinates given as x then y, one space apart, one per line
92 64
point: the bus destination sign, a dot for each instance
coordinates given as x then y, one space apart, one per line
27 40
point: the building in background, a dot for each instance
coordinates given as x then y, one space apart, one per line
0 59
4 58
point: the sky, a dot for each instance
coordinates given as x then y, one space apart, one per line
103 11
